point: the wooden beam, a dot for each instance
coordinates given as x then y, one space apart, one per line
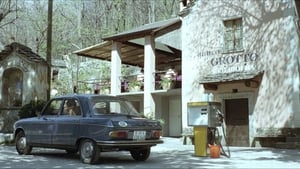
210 86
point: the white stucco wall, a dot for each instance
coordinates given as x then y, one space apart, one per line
269 32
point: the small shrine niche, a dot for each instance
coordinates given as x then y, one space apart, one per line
12 87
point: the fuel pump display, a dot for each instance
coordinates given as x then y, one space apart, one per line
205 117
204 114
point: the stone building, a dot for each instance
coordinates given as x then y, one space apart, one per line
23 78
246 55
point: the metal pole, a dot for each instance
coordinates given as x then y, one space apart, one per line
49 46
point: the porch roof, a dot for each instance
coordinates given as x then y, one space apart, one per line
132 47
251 79
230 77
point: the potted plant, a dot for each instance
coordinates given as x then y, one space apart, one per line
166 82
104 89
134 85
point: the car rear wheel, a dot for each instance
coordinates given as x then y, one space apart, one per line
140 154
21 144
89 151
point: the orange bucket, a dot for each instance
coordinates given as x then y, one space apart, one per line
214 151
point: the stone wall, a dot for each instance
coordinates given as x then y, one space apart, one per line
7 119
269 34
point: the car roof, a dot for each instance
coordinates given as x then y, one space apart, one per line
82 96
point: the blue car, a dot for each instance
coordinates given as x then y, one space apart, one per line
89 124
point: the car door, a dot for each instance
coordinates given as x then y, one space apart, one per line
68 123
44 127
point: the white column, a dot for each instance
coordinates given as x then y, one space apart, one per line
115 81
149 80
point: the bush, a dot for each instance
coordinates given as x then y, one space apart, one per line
31 109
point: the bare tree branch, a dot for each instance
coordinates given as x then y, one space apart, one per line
7 8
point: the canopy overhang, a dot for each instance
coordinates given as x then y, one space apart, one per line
250 79
132 45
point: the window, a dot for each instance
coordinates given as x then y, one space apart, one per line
53 108
71 107
113 107
107 107
100 108
233 39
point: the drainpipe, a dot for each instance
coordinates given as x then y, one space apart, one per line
297 23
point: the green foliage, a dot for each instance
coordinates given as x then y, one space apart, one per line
151 116
134 83
165 80
31 109
162 121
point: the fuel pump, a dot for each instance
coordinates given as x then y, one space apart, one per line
205 117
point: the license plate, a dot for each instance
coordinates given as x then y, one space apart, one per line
139 135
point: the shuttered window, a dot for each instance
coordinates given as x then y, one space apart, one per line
233 37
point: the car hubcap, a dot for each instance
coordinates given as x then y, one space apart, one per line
87 150
22 143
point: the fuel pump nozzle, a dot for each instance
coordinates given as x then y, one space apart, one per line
220 116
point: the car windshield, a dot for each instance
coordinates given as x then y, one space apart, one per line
101 106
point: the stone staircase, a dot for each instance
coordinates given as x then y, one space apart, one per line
6 138
290 143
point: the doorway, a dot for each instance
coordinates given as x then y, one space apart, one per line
237 122
175 125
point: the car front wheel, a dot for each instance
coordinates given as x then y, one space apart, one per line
21 144
89 151
140 154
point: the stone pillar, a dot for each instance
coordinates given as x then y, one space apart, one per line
115 81
149 80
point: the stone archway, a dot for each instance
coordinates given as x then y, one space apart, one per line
12 87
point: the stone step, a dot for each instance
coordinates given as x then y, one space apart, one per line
288 145
292 139
6 138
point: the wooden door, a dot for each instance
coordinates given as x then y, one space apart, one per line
237 122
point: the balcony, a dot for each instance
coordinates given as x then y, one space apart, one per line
164 80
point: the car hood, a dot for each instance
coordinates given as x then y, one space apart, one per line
27 119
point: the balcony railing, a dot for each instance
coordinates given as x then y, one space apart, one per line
97 86
132 83
164 80
167 80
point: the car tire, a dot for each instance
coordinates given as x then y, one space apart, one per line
140 154
89 152
21 144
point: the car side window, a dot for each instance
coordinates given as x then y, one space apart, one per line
115 107
53 108
71 107
100 108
